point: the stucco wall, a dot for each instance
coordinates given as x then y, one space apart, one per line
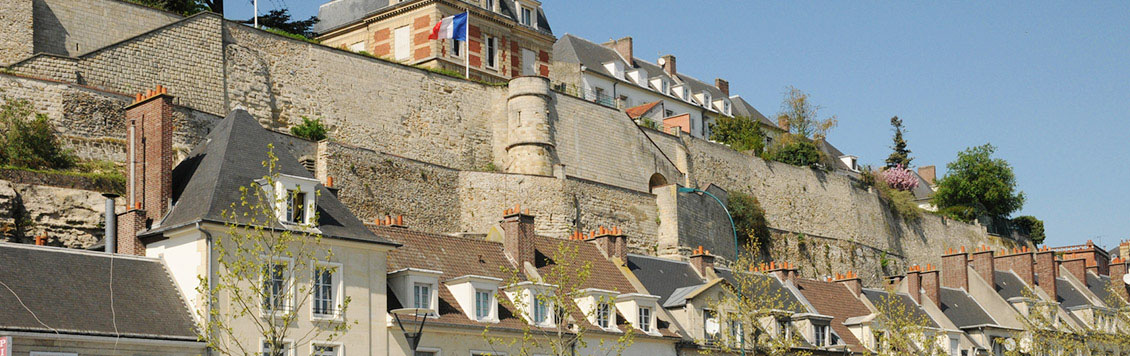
70 27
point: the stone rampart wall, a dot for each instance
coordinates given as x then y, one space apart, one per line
74 27
16 25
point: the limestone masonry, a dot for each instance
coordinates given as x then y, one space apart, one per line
447 153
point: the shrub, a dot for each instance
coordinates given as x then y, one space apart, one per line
749 219
900 178
900 202
796 151
312 130
739 132
1034 227
651 124
978 184
867 178
28 139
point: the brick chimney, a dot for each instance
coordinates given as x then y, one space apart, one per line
702 261
914 283
1077 267
851 281
669 65
722 86
1117 271
783 270
931 285
1019 262
1047 270
149 151
623 46
982 262
518 236
955 269
928 173
611 242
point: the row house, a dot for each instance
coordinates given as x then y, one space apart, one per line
611 75
506 38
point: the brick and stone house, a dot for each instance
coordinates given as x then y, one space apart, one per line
506 38
59 301
177 216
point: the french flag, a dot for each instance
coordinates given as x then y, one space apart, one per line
453 27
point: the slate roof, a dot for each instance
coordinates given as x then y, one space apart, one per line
662 276
1008 284
1098 285
340 13
789 301
962 310
1067 295
209 180
49 290
836 300
898 302
461 256
743 108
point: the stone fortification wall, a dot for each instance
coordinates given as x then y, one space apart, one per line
68 217
365 102
71 27
17 26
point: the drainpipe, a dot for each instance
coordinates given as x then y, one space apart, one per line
110 237
211 278
614 96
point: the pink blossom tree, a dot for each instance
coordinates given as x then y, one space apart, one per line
900 178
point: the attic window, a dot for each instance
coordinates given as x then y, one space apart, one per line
295 202
296 211
527 16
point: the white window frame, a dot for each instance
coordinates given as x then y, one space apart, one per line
489 303
545 308
532 21
737 329
338 347
288 342
707 315
456 48
647 323
820 339
337 290
288 288
604 315
490 49
438 351
431 290
489 5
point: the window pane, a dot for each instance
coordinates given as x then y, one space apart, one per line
325 350
645 319
422 297
323 292
274 287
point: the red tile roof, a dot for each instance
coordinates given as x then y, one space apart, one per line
637 111
835 300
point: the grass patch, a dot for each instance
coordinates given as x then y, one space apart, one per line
901 202
291 35
103 176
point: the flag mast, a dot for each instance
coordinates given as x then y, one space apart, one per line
467 42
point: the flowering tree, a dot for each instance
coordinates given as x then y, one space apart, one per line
900 178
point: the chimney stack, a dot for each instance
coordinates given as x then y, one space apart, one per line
1047 270
702 260
1019 262
784 270
612 242
722 86
914 283
110 237
955 269
518 239
623 46
1077 267
928 173
851 281
149 151
931 285
983 263
669 65
1117 273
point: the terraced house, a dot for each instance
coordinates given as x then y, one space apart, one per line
506 38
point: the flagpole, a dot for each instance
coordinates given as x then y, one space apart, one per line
467 40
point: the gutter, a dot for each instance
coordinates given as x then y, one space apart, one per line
211 281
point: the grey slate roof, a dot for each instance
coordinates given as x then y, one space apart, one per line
339 13
1008 284
678 298
962 310
208 181
775 288
1067 295
662 277
899 301
69 291
1098 285
743 108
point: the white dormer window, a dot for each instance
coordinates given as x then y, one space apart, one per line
638 76
488 4
706 99
527 17
475 294
537 301
616 68
820 335
639 309
686 94
296 199
416 288
664 87
596 304
726 109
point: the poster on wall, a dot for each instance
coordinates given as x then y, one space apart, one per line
5 346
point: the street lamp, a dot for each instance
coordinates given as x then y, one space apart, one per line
419 316
733 229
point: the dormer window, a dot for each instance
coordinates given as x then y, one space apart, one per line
603 315
540 309
416 288
422 295
475 294
646 319
706 99
616 68
820 335
726 109
664 87
536 299
639 309
527 17
296 202
483 304
597 306
296 206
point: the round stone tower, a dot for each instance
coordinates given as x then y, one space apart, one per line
530 139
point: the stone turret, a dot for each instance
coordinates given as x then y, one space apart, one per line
530 146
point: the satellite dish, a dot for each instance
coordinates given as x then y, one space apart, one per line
1010 344
661 61
1126 278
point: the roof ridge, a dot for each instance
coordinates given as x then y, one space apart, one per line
78 251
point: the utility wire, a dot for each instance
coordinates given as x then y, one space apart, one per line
26 308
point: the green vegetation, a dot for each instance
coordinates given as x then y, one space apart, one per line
312 130
184 7
799 116
1034 226
279 19
28 140
796 151
749 219
651 124
739 132
977 184
900 155
291 35
901 202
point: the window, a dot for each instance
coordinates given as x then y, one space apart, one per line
282 348
488 4
323 350
325 292
456 48
706 99
492 52
821 337
726 107
274 287
527 16
529 62
645 319
710 324
422 296
954 346
403 42
664 87
541 310
357 46
603 315
483 301
784 329
736 333
296 207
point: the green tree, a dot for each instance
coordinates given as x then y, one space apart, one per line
903 330
977 184
28 139
800 116
279 19
1034 226
795 150
252 255
749 219
901 155
741 133
185 7
312 130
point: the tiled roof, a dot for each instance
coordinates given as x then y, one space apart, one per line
460 256
898 301
636 111
662 276
962 310
774 289
836 300
1098 285
49 290
1067 295
1008 284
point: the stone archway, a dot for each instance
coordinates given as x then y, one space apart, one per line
657 180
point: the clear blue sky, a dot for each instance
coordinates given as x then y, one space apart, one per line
1048 83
